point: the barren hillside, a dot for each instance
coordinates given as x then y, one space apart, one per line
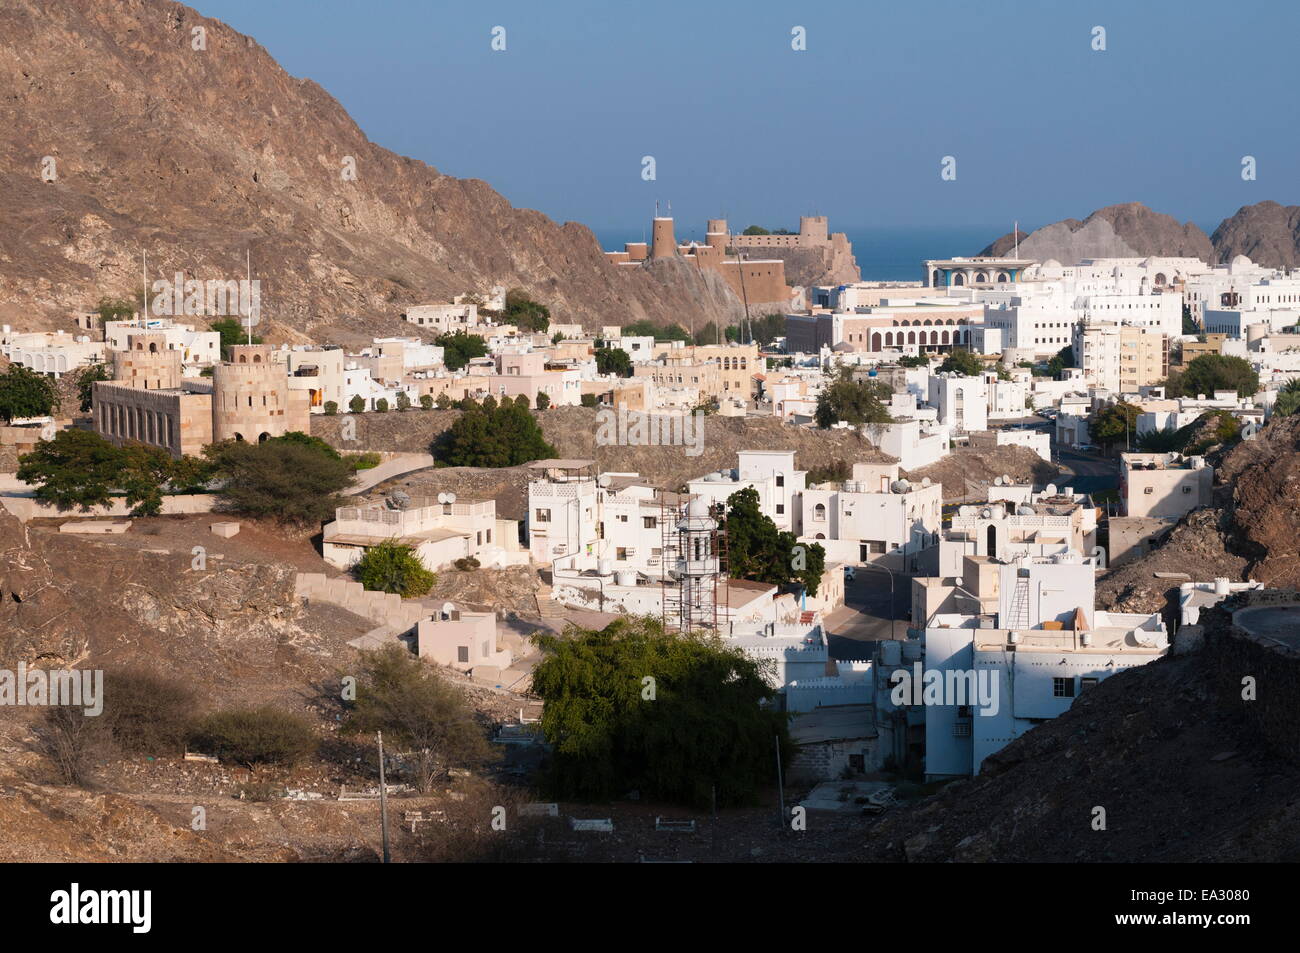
117 137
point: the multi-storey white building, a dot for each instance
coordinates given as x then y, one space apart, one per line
874 513
771 473
1028 643
962 403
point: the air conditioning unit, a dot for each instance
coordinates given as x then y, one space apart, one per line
1013 637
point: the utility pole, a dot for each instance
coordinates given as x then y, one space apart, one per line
780 785
383 797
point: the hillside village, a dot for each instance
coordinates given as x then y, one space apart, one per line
947 476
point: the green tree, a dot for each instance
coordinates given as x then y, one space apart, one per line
381 405
961 361
460 348
86 384
1060 361
443 402
394 567
660 332
24 393
913 360
283 480
708 334
331 408
357 404
755 230
760 552
426 402
1189 323
543 400
79 468
613 360
1288 399
856 402
521 400
421 714
589 400
506 436
232 332
1211 372
403 400
706 730
1114 423
525 313
301 439
116 309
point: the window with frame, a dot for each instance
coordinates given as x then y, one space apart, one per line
462 653
1063 687
649 522
543 516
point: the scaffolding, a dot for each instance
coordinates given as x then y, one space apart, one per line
693 580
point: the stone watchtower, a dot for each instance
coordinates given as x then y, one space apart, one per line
663 244
147 364
251 399
814 229
715 234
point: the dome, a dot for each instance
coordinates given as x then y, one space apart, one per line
1240 263
697 509
1051 263
844 347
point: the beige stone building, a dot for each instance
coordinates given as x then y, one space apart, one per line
150 402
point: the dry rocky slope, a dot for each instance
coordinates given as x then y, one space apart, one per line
1267 233
1252 530
197 156
1117 231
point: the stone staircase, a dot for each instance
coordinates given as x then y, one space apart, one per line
387 610
547 607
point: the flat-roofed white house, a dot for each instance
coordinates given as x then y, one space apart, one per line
440 532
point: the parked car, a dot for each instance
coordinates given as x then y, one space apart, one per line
1086 448
849 573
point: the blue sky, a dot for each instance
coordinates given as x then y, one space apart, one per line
855 127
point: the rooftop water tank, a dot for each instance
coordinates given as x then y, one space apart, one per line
605 567
626 577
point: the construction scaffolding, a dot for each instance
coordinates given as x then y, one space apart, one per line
693 582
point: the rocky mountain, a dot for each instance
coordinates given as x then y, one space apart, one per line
118 135
1267 233
1117 231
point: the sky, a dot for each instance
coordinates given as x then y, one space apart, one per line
856 126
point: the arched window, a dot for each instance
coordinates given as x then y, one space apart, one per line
959 278
819 512
911 337
875 342
1002 277
257 359
243 359
992 543
981 277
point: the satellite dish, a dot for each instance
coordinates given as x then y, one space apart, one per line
442 498
997 481
604 480
1006 480
451 497
1050 489
925 481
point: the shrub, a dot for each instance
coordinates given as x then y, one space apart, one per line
426 402
543 400
74 742
420 713
506 436
147 713
590 400
331 408
254 736
467 564
403 401
381 405
394 567
362 461
357 404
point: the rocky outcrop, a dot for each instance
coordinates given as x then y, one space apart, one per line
117 137
1117 231
1267 233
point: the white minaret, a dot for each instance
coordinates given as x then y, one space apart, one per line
698 567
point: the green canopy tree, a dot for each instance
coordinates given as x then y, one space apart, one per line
284 480
856 402
1211 372
459 348
505 436
961 361
613 360
1115 423
86 384
703 729
757 550
24 393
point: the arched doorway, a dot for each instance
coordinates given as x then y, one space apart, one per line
992 543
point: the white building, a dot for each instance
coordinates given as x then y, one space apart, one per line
874 513
771 473
1033 646
962 403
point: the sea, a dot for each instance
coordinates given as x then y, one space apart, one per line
884 253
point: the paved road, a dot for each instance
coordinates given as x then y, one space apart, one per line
1090 473
865 618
